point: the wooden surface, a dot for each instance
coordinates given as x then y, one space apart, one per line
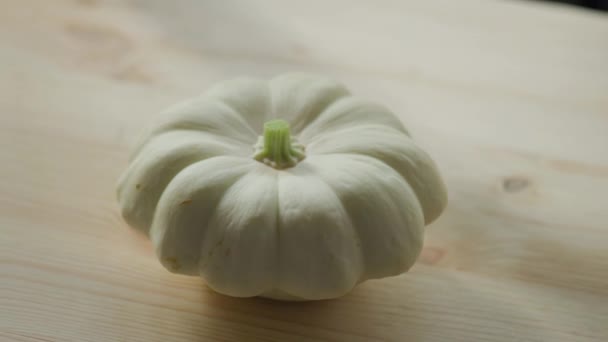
509 97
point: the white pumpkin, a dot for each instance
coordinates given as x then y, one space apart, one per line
301 208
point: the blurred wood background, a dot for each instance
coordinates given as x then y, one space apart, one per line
509 97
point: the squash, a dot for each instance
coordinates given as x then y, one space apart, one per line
290 189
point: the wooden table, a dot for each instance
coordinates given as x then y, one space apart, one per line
509 97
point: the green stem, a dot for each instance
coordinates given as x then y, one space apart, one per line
277 148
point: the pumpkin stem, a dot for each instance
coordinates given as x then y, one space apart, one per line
277 148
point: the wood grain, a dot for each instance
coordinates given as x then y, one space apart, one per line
509 97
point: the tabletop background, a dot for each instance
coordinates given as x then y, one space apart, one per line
509 97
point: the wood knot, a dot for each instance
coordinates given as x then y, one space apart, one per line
88 3
132 73
98 37
300 50
431 255
98 46
515 184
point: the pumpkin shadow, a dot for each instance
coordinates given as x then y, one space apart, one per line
255 319
443 306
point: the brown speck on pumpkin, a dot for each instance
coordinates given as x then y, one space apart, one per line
515 184
188 201
137 186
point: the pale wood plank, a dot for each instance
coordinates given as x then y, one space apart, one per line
508 97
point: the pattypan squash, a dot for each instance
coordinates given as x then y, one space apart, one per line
291 189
